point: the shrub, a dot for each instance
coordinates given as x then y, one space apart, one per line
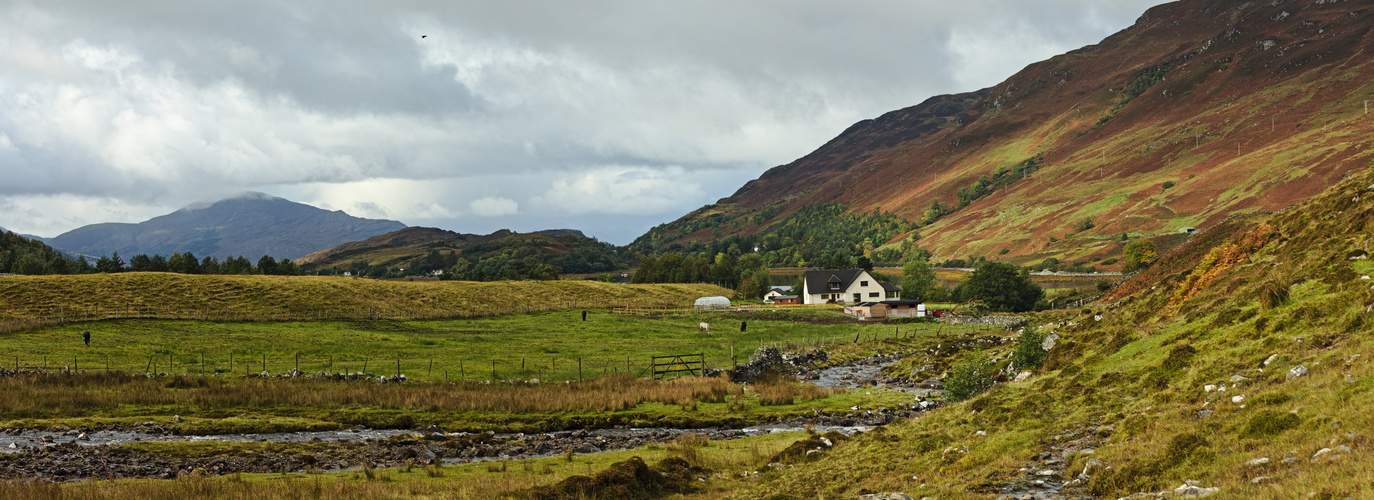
1030 351
970 377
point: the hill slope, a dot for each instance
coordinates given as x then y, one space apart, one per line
1201 110
1242 354
252 225
416 251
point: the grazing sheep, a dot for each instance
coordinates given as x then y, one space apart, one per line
705 327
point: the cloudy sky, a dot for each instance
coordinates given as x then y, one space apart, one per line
605 116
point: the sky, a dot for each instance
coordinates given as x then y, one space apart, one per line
605 116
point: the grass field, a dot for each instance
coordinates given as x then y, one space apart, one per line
550 346
544 345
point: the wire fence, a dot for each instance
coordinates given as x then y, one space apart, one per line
545 369
62 315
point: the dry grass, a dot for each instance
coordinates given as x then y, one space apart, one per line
52 299
775 389
45 396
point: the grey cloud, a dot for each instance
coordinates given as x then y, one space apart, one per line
141 106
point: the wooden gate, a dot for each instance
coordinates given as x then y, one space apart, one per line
691 364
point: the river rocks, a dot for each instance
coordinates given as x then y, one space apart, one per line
585 448
1296 372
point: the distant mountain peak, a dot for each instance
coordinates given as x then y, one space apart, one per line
250 224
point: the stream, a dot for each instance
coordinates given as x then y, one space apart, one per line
73 455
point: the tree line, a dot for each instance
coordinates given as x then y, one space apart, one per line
20 255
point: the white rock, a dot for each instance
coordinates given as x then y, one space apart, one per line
1258 462
1190 491
826 442
1049 342
1046 472
1209 387
982 433
1021 377
1238 398
1268 360
1261 480
1296 372
1238 378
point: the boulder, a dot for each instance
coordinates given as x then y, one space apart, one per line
1296 372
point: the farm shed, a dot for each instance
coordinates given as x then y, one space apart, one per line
716 302
905 309
867 310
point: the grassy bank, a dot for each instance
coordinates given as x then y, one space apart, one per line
55 299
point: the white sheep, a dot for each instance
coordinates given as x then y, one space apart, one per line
705 327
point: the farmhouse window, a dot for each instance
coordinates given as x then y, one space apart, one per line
872 294
863 283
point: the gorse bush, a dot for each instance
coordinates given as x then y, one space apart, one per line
970 377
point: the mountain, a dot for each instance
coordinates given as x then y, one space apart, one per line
1201 110
251 225
503 254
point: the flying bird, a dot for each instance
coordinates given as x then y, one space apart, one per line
423 36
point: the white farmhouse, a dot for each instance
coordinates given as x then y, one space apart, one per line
844 286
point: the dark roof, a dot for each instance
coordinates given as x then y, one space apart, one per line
889 287
869 304
785 297
902 302
816 280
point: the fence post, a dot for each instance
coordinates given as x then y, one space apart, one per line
493 371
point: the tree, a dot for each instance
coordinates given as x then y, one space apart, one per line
918 279
864 263
267 265
1139 254
29 264
287 268
112 264
139 263
1001 287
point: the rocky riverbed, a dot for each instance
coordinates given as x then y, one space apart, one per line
80 454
